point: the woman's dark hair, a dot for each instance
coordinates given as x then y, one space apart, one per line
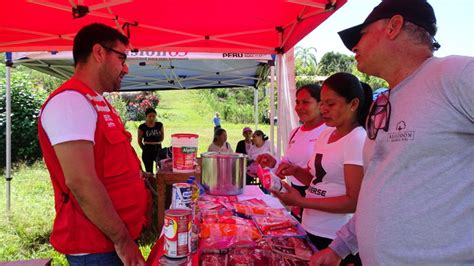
218 133
91 34
348 86
261 134
149 111
313 89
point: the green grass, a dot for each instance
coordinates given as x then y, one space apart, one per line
24 232
186 112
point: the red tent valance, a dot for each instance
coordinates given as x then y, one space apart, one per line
245 26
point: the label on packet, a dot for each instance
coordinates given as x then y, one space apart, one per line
270 180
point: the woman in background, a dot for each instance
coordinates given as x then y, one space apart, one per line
219 143
150 135
261 145
244 145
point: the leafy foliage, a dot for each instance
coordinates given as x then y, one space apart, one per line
119 104
332 62
237 105
374 82
26 100
306 56
329 64
136 108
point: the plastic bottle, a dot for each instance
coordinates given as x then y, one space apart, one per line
194 207
196 192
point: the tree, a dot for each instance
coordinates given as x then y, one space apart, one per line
306 56
26 100
29 90
374 82
333 62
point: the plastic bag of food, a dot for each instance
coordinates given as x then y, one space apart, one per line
268 223
291 247
228 230
213 259
212 216
254 202
270 180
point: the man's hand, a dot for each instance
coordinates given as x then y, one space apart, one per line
129 253
325 257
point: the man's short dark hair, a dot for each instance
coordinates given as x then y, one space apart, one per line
91 34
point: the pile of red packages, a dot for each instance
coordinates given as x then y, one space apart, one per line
249 233
266 251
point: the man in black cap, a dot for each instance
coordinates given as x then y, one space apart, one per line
416 200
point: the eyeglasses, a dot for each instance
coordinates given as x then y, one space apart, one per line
379 115
122 56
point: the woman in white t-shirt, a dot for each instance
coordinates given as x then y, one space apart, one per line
219 143
334 172
260 145
301 139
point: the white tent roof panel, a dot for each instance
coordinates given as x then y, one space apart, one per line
149 70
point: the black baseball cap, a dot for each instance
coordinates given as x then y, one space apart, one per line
418 12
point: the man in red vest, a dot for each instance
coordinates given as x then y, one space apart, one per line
100 197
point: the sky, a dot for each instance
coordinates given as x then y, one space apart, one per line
455 21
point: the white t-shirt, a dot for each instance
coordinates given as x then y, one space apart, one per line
300 148
255 151
224 148
69 116
329 179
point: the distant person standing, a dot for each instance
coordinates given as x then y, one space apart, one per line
217 121
244 145
150 135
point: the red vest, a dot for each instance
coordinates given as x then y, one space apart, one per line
117 166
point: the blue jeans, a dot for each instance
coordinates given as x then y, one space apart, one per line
96 259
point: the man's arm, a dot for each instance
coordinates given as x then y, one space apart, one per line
77 162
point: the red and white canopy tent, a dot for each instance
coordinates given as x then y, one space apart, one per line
245 26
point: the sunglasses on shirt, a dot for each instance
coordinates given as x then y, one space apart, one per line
379 115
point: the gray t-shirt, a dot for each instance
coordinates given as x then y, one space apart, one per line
416 204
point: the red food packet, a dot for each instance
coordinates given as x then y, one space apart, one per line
272 223
269 180
254 202
213 259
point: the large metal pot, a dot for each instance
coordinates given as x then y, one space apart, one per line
223 173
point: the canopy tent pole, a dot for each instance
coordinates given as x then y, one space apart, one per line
8 132
287 118
279 106
255 107
272 109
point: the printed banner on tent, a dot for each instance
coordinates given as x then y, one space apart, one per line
151 55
